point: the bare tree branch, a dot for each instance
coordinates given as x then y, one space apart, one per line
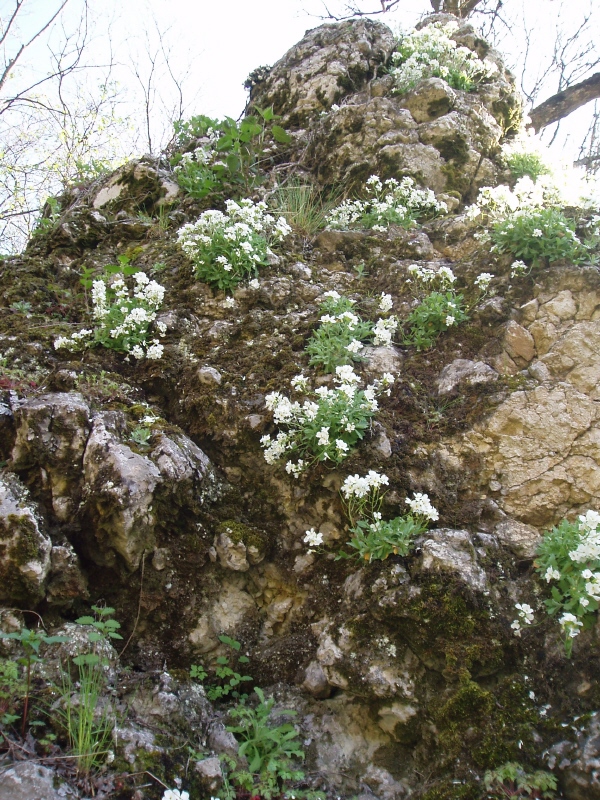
564 103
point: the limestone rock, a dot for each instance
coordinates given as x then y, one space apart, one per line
24 547
578 762
522 539
209 774
446 550
52 433
430 99
232 555
518 343
315 681
326 65
67 581
462 370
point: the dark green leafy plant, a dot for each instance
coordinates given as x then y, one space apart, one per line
337 341
535 235
228 153
12 689
268 749
523 164
30 640
225 672
436 313
512 781
373 541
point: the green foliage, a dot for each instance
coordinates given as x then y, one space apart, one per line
47 223
227 674
269 749
12 689
337 341
304 206
376 540
89 726
141 436
228 154
531 164
436 313
30 640
568 558
511 780
538 234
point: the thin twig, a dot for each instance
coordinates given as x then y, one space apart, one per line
139 609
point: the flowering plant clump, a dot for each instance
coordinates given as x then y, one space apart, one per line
568 560
122 317
373 537
536 235
326 427
227 247
175 794
339 339
390 203
431 53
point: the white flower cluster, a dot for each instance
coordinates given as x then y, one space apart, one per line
326 428
357 486
431 52
588 548
205 154
390 202
525 613
567 188
175 794
421 505
225 247
483 280
429 279
122 319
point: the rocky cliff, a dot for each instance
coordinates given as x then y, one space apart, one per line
406 674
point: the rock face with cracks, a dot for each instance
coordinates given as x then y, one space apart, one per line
406 675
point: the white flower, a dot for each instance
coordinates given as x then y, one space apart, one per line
450 320
537 233
570 624
518 268
175 794
137 351
354 346
483 280
551 574
254 284
323 436
525 612
421 505
341 445
313 538
155 351
229 302
385 303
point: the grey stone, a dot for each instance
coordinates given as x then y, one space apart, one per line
209 375
209 774
522 539
28 781
578 762
315 681
447 550
462 370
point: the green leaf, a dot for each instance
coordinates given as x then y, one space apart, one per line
280 135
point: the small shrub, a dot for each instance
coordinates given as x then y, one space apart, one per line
512 780
389 203
537 235
431 53
122 317
226 248
325 428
